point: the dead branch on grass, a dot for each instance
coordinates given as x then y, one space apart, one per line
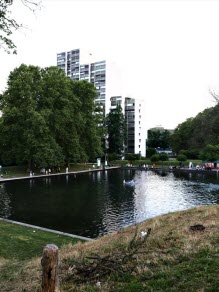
93 268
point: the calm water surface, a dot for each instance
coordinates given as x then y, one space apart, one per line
93 204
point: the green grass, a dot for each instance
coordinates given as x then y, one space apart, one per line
19 245
22 243
173 258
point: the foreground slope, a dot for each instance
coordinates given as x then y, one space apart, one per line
160 254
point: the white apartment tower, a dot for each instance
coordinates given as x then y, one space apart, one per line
78 65
134 111
107 79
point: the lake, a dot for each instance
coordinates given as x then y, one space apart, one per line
96 203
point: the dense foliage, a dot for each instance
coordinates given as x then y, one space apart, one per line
47 118
157 138
195 134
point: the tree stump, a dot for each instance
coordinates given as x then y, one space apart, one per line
50 281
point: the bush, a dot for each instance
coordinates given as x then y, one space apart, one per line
163 157
150 152
112 156
155 158
181 157
132 156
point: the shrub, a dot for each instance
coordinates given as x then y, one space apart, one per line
155 158
181 157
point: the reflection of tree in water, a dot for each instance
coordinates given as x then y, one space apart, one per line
5 200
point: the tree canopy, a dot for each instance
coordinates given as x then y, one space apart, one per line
115 122
157 138
47 118
196 133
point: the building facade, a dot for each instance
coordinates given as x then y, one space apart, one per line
107 79
134 112
79 66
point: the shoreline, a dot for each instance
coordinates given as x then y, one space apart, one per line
45 229
2 180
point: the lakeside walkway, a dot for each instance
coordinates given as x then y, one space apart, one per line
167 169
2 179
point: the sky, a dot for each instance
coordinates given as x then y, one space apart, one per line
168 51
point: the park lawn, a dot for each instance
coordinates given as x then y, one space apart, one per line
18 245
171 258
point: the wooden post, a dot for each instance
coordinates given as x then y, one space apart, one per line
50 281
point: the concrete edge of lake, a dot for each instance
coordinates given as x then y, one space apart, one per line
2 180
46 229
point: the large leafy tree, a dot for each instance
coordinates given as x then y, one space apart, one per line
47 118
59 106
196 133
157 138
25 134
116 127
89 122
8 24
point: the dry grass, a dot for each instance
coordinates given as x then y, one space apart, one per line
169 243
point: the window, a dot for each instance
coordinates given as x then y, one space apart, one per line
139 140
139 146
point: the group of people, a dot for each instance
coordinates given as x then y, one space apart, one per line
45 171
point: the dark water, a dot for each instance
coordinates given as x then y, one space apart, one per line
93 204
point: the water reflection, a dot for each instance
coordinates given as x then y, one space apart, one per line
93 204
5 200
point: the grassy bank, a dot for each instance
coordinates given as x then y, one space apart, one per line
172 258
18 246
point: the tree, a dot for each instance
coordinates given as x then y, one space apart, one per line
210 153
116 127
8 25
180 138
157 138
150 152
196 133
48 118
90 124
59 105
25 134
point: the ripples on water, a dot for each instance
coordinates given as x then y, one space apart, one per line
98 203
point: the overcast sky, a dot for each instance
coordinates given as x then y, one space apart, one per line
168 51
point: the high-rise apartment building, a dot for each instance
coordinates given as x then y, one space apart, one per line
134 112
107 79
79 68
